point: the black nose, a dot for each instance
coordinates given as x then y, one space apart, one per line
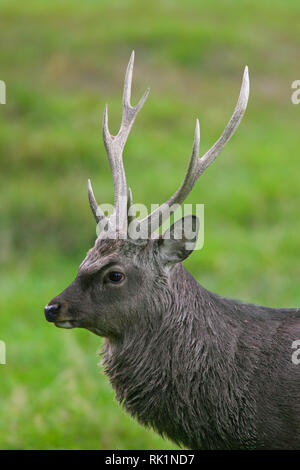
51 311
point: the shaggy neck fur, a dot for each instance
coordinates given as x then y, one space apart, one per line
189 367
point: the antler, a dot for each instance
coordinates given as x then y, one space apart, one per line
198 165
114 147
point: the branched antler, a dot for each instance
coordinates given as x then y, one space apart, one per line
115 144
114 147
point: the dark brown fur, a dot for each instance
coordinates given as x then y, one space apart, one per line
206 371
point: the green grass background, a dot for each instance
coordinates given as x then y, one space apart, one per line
62 61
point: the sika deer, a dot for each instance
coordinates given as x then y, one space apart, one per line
206 371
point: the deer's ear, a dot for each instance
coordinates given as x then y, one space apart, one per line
178 242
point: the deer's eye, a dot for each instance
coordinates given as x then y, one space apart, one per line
115 277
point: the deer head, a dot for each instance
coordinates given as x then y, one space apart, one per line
123 278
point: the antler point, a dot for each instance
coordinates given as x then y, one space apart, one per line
197 129
131 60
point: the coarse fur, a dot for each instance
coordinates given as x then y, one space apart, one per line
206 371
209 372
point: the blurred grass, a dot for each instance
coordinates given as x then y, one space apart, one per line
62 61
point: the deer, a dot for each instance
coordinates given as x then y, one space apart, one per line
203 370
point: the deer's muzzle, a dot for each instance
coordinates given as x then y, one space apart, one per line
55 313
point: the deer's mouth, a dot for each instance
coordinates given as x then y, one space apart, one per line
65 324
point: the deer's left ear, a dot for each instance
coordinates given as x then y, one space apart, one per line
178 242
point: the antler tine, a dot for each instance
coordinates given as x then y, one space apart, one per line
115 144
96 210
131 217
198 165
232 125
129 110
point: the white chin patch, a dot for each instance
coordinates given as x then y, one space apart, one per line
64 324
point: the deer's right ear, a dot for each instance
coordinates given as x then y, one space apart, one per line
178 242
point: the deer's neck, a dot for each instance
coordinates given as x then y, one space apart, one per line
178 373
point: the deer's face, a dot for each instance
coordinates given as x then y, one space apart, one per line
118 281
107 291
